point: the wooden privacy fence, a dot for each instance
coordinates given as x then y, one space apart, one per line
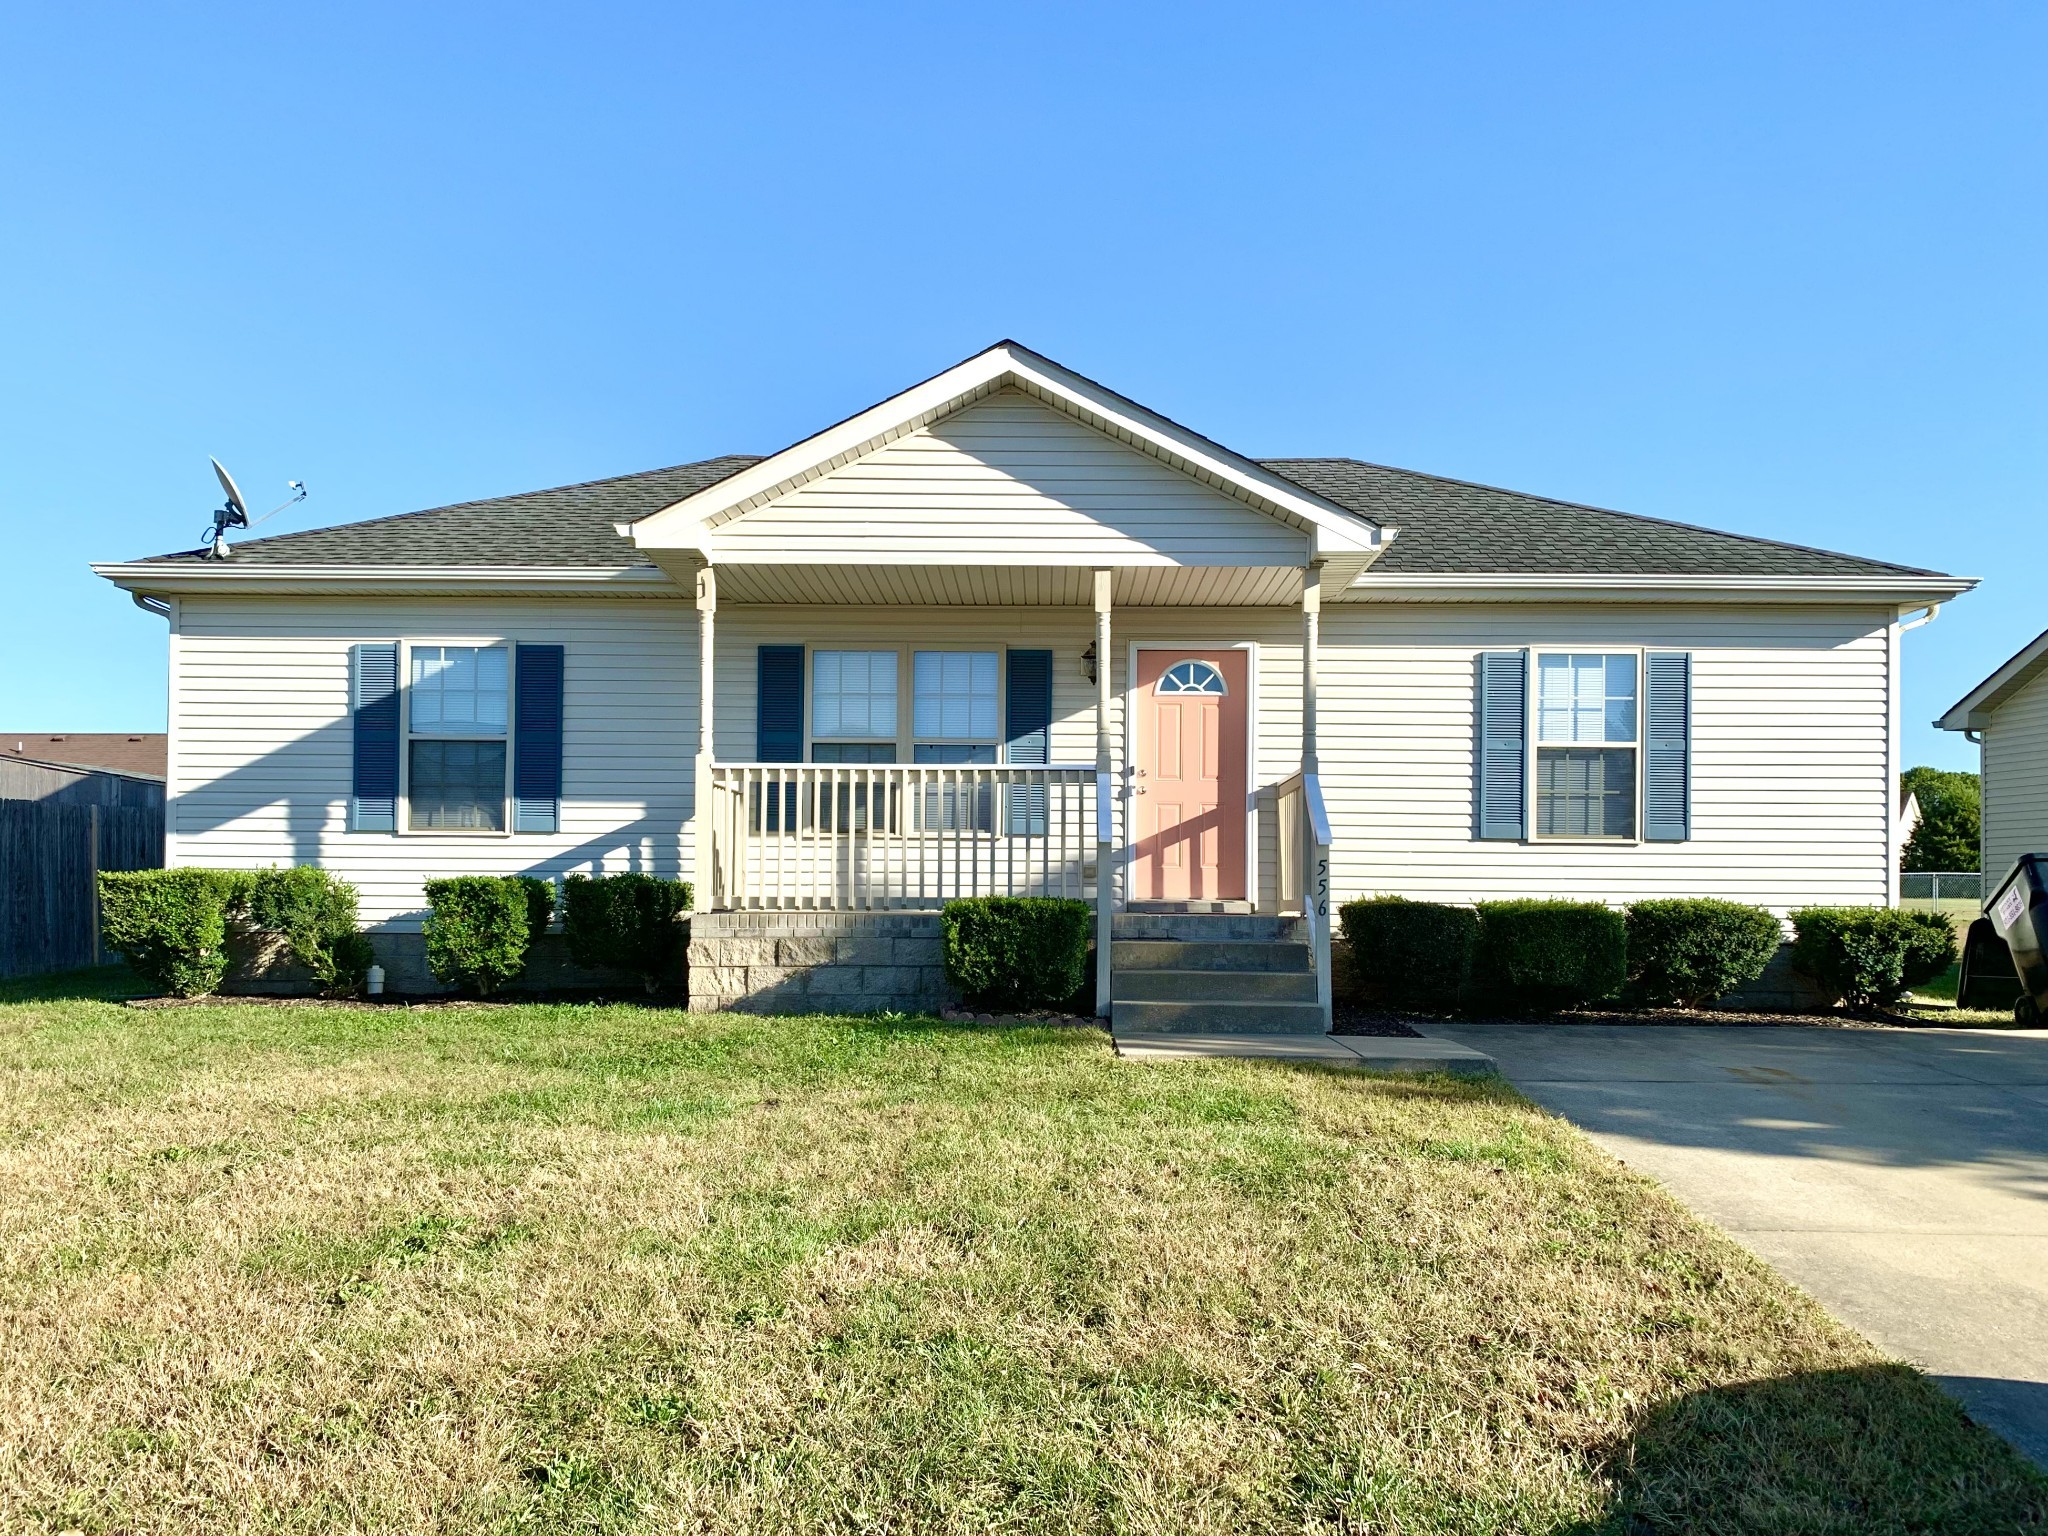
49 855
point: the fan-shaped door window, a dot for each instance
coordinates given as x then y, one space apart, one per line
1191 677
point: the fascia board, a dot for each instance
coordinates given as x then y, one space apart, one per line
1548 587
154 578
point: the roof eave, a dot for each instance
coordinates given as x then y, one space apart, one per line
1972 712
1447 586
175 579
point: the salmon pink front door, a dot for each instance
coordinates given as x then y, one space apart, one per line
1188 779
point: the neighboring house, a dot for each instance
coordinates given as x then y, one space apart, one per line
2007 716
109 771
140 755
1008 630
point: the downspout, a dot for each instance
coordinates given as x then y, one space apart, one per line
148 604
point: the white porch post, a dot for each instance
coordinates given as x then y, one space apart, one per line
701 870
1315 893
1311 635
1105 875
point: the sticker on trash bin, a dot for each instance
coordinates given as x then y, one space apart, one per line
2011 905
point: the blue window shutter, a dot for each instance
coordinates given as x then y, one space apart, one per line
779 705
1027 708
373 701
1027 731
537 740
1502 731
1667 764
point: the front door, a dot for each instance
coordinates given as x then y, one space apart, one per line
1188 779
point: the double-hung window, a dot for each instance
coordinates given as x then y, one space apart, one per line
853 706
956 717
1587 735
457 719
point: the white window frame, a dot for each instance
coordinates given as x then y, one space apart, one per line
1532 729
906 740
406 736
998 742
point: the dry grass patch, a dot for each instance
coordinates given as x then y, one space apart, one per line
611 1269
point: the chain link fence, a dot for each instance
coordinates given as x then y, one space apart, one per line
1957 886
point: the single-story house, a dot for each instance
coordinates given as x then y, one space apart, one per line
2007 716
1011 632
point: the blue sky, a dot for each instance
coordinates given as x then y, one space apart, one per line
1771 268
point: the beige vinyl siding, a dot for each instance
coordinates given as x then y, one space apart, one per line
2015 762
1791 800
1790 792
262 745
1009 481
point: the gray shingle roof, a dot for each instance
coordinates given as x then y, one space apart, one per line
1456 527
1447 526
566 527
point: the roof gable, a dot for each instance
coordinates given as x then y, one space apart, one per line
692 523
1007 480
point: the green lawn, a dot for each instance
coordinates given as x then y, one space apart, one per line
609 1269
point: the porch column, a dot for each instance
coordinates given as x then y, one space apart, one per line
1105 873
1311 635
701 870
1315 856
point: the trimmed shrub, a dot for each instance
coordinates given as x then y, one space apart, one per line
1870 957
1416 954
477 930
172 924
1017 951
540 905
626 922
1692 951
1549 954
314 913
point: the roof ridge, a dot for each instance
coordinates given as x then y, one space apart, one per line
1634 517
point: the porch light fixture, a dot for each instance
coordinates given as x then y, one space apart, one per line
1088 661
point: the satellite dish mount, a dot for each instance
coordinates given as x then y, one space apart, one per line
235 513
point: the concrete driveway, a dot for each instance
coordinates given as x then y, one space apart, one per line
1900 1177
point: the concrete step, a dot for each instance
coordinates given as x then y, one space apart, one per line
1209 986
1205 927
1218 1018
1211 955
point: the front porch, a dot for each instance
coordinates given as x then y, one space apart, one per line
820 882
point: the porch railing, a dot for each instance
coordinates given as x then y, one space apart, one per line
862 837
1304 868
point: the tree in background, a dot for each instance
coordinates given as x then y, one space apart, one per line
1951 818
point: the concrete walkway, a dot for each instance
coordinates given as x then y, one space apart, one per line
1372 1053
1900 1177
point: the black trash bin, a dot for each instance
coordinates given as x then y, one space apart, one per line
2019 912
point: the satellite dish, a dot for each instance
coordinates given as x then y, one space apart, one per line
235 502
236 513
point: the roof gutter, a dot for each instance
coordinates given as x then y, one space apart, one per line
150 579
1914 591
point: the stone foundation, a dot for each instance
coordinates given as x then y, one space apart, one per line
1779 990
818 962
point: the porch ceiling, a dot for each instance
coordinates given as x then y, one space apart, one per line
1009 586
